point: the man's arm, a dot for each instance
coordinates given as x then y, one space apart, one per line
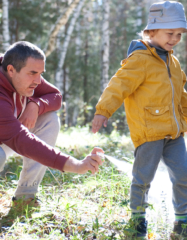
47 97
30 115
16 136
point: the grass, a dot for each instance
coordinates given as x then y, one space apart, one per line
77 206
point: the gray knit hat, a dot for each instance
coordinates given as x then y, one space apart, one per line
166 15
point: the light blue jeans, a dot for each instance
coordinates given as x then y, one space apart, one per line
47 128
147 157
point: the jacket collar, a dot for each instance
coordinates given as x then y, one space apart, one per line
152 49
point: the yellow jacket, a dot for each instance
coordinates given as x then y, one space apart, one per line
155 99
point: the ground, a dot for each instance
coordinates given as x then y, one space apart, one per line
78 206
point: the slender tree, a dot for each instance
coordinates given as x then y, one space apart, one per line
64 48
61 75
6 36
85 79
61 21
105 44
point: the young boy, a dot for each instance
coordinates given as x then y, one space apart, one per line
151 84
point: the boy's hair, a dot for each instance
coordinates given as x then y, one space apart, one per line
145 34
19 52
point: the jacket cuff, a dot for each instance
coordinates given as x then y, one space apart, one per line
60 161
103 113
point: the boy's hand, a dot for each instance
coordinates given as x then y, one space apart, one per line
90 163
98 121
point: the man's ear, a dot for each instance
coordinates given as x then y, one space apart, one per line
10 70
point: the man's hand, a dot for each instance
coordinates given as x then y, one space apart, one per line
90 162
98 121
30 115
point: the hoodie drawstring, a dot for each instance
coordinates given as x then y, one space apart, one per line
23 105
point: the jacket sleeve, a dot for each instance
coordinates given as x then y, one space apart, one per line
184 97
126 80
47 97
18 138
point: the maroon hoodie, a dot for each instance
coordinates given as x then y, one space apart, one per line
17 136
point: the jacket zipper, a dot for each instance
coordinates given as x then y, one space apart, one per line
169 73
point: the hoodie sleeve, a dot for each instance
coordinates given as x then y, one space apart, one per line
126 80
47 97
18 138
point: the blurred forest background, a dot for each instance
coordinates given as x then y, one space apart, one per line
84 41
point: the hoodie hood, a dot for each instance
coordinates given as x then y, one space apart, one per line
5 83
136 45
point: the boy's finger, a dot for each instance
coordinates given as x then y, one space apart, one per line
105 123
94 126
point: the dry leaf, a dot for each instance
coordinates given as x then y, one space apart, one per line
151 236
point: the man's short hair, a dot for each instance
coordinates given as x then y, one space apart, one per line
18 53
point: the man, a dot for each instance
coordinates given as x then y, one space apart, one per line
28 122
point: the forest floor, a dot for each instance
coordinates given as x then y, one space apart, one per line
79 207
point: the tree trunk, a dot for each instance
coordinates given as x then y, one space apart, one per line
125 33
59 74
78 42
64 116
64 48
6 36
59 78
85 81
62 20
105 44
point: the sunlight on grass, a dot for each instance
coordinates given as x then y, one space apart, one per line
83 206
80 141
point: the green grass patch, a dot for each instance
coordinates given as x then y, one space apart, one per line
75 206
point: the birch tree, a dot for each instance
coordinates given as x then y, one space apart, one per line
61 78
61 21
64 48
105 44
6 36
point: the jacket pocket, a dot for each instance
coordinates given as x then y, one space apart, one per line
158 121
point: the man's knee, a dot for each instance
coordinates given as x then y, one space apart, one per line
49 120
53 120
47 127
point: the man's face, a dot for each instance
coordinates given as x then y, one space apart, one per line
28 78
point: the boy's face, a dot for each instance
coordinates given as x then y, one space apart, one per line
166 38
